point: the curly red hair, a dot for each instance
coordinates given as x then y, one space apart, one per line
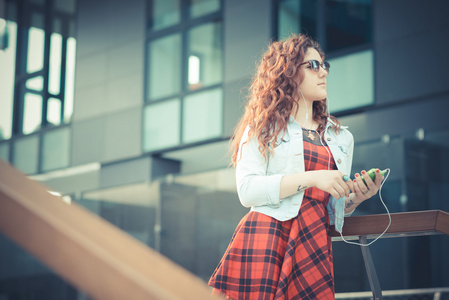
273 93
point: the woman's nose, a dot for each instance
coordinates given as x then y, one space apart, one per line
322 72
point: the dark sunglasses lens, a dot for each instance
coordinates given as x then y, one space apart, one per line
326 66
315 65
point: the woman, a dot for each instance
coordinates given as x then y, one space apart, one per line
292 163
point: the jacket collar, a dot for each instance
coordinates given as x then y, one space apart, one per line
329 123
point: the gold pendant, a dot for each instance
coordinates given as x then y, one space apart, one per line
311 136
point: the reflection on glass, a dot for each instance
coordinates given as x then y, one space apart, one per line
202 116
164 13
205 45
199 214
7 77
25 152
354 85
132 208
35 83
4 151
54 111
54 82
69 79
288 18
296 16
194 70
56 149
161 125
32 116
200 8
35 58
164 67
348 23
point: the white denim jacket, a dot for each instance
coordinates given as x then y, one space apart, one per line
259 180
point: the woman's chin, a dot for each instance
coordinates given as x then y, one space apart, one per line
321 97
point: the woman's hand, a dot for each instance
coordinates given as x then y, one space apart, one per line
333 182
362 191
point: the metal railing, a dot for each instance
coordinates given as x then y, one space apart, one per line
417 294
107 263
402 225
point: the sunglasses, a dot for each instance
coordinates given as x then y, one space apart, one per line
315 65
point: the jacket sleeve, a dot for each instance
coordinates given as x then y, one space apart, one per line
336 207
254 186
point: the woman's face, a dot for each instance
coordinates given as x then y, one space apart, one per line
313 87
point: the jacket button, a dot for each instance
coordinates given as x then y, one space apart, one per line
339 160
329 139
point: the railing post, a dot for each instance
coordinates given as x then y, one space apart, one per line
370 269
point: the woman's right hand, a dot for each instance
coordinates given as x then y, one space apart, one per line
332 181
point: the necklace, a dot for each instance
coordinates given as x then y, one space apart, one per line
310 134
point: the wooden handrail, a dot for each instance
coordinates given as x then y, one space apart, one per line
402 224
89 252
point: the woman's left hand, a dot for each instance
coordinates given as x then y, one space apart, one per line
364 192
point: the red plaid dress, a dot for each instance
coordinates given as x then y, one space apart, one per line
270 259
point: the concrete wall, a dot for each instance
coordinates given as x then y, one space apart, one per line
109 81
247 31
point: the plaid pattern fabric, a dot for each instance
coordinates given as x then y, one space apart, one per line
269 259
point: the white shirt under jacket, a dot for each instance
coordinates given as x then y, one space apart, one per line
259 180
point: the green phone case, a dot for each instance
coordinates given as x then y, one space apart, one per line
372 174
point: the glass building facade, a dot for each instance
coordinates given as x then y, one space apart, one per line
127 107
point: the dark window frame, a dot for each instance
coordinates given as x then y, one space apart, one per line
183 27
23 12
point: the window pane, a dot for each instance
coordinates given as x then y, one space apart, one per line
348 23
25 154
296 16
132 208
54 82
32 115
350 83
202 116
7 76
161 125
35 83
208 218
54 111
56 149
4 151
69 79
35 58
202 7
205 55
164 67
164 13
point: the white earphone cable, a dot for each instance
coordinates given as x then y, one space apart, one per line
380 190
389 217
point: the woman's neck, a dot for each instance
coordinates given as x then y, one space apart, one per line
304 115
